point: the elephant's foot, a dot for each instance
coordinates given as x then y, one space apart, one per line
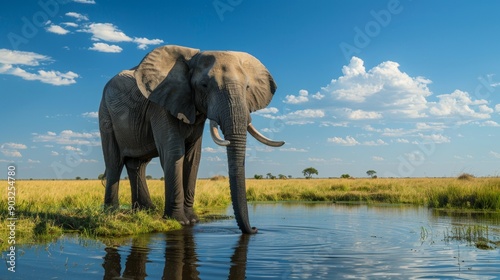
180 217
111 207
143 206
192 217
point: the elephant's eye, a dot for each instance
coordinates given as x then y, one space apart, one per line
204 85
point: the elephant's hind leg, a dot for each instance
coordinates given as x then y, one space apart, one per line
136 169
112 159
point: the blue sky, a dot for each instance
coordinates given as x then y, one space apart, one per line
406 88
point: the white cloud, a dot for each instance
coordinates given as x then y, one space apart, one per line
301 98
92 115
214 159
318 160
12 149
268 110
318 96
362 115
103 47
77 16
54 153
459 103
33 161
69 137
384 86
307 113
490 123
57 29
143 43
84 1
213 151
71 148
106 32
436 138
376 158
348 141
293 150
12 57
70 24
111 33
495 154
9 58
378 142
402 140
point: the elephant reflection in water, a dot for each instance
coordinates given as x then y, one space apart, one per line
181 260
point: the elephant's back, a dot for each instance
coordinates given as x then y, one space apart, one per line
129 113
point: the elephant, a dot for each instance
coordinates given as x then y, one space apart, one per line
159 109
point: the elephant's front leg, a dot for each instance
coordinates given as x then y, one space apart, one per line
174 192
170 146
191 165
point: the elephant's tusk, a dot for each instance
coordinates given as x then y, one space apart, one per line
263 139
214 132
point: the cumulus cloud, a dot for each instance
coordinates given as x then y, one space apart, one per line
459 103
143 43
106 32
57 29
436 138
10 58
77 16
92 115
301 98
69 137
384 86
12 149
103 47
111 33
362 115
348 141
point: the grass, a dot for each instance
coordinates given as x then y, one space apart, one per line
47 209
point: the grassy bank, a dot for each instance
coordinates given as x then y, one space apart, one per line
46 209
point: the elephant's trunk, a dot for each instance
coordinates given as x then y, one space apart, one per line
236 162
234 118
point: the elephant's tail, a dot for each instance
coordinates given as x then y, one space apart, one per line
103 179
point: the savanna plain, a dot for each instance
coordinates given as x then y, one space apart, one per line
47 209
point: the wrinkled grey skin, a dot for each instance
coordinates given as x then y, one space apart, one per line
159 108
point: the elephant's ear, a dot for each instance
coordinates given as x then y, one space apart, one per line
261 85
163 77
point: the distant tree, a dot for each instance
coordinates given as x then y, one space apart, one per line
100 177
371 173
290 176
162 178
269 175
281 176
308 172
345 176
149 177
257 176
78 178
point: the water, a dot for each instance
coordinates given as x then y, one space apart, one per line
295 241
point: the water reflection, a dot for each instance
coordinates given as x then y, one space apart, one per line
181 259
